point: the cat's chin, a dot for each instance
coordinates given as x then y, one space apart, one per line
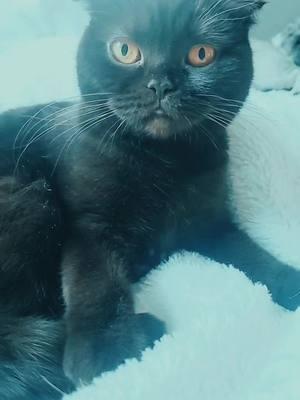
159 127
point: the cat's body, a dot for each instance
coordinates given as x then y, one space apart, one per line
112 185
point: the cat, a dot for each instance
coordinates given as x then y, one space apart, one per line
95 193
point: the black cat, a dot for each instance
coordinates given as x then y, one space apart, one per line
100 191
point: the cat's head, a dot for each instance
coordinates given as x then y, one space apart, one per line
168 66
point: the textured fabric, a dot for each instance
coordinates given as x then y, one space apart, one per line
226 340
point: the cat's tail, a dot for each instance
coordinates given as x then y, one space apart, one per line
31 359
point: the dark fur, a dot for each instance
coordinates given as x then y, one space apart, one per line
107 207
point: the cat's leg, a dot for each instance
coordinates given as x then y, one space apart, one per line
236 248
30 247
31 351
31 348
102 328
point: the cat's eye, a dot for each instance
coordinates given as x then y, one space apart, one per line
201 55
125 52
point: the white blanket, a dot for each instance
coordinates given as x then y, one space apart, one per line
227 340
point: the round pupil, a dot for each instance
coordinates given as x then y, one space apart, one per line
202 54
124 50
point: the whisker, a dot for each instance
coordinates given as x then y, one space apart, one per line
209 136
50 118
208 22
35 138
49 105
66 99
86 125
116 131
105 136
58 390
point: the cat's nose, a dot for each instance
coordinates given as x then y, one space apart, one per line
161 87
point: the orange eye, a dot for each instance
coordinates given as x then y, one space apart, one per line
125 52
201 55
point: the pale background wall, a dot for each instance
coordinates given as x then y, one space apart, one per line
275 16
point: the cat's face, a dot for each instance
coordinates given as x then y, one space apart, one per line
169 66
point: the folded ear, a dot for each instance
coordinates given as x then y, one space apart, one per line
251 5
254 7
243 10
245 7
258 4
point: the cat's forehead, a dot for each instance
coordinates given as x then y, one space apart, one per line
150 6
167 19
137 14
150 20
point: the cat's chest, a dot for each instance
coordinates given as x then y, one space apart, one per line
129 190
199 205
188 220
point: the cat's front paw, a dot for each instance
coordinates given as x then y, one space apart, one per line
89 355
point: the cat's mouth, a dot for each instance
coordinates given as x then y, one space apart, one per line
159 127
159 123
159 112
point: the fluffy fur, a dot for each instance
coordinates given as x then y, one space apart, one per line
223 330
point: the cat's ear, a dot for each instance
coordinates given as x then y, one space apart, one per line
255 6
246 10
247 7
258 4
232 17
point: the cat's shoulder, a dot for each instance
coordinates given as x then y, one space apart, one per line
22 120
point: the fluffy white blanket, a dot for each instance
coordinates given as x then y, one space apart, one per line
226 339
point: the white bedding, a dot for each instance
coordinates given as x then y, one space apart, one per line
226 340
